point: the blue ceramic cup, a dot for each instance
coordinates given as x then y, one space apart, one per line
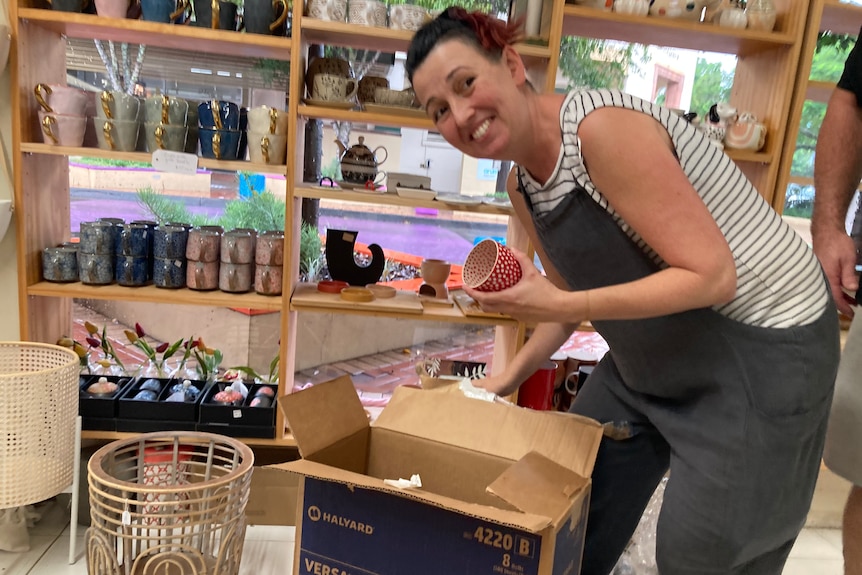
165 11
219 144
151 236
98 237
134 240
169 273
131 271
95 269
169 241
60 264
228 113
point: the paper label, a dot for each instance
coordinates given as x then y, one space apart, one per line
175 162
237 414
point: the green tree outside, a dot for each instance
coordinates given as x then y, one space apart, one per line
711 84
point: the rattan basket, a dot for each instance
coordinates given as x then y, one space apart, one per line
38 407
168 504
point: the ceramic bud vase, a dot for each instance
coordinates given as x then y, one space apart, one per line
733 17
761 15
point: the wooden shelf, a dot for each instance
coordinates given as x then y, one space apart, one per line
211 164
395 200
841 17
819 91
409 121
376 38
286 441
153 294
746 156
188 38
670 32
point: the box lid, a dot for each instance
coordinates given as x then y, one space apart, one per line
323 414
523 520
501 430
537 485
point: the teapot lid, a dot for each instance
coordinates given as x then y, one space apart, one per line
360 149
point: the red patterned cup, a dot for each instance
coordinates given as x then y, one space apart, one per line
491 266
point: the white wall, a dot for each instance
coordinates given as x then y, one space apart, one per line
8 266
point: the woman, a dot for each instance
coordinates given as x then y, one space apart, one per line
723 338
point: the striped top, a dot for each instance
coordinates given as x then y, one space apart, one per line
779 281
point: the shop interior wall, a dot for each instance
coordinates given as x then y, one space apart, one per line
8 261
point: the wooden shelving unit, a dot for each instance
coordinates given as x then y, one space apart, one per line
765 77
831 15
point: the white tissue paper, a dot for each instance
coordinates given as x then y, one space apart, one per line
467 388
415 482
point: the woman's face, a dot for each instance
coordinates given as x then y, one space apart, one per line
473 101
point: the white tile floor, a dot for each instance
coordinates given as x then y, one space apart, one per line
268 550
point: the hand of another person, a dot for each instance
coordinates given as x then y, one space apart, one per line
837 255
499 384
534 298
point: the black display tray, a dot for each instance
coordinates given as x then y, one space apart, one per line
234 430
99 424
147 425
241 415
159 410
99 406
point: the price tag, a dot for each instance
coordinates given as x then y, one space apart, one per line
237 414
176 162
127 517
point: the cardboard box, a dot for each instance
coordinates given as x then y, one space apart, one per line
272 497
505 490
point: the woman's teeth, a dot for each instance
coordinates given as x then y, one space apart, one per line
480 131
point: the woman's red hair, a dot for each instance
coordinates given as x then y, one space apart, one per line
492 33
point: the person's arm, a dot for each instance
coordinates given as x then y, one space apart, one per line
629 158
837 171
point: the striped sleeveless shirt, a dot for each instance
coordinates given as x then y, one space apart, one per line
779 280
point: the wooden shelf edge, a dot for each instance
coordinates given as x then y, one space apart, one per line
208 163
841 17
672 32
818 91
183 37
395 200
410 121
153 294
286 441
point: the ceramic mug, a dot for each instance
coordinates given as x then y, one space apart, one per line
202 275
268 280
164 109
62 130
332 10
203 245
95 269
265 16
133 240
170 241
69 5
537 392
169 273
117 105
219 115
237 247
117 135
267 148
368 84
267 120
389 97
131 271
219 144
59 99
215 14
166 11
165 137
409 17
112 8
491 266
60 264
331 88
97 238
269 250
367 13
235 278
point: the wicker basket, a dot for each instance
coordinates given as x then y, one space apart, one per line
38 407
168 504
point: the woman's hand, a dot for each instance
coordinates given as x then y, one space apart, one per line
533 299
499 384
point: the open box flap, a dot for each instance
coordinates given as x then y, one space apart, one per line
496 429
323 414
527 521
537 485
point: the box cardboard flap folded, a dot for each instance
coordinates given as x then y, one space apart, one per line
505 486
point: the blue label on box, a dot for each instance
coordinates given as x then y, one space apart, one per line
569 545
355 531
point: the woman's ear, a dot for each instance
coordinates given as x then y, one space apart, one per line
515 65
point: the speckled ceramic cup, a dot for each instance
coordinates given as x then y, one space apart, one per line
202 275
60 264
235 278
270 249
169 241
169 273
96 269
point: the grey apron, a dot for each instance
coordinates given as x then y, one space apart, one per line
737 412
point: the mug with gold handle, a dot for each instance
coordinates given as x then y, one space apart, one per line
107 98
166 107
217 145
217 115
41 99
216 14
264 149
184 6
273 120
108 131
279 21
48 123
159 132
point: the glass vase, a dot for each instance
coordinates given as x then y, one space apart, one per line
761 15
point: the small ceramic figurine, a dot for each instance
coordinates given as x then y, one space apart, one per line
635 7
746 133
102 387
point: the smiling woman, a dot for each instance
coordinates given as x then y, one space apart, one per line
707 299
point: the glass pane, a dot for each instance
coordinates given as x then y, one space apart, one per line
829 56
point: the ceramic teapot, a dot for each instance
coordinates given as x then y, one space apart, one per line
359 163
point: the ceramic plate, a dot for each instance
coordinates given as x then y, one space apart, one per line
328 104
497 202
326 188
396 110
415 193
348 186
459 200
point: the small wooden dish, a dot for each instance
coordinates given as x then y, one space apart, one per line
381 291
331 286
357 294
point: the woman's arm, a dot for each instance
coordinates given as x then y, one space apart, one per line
630 160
